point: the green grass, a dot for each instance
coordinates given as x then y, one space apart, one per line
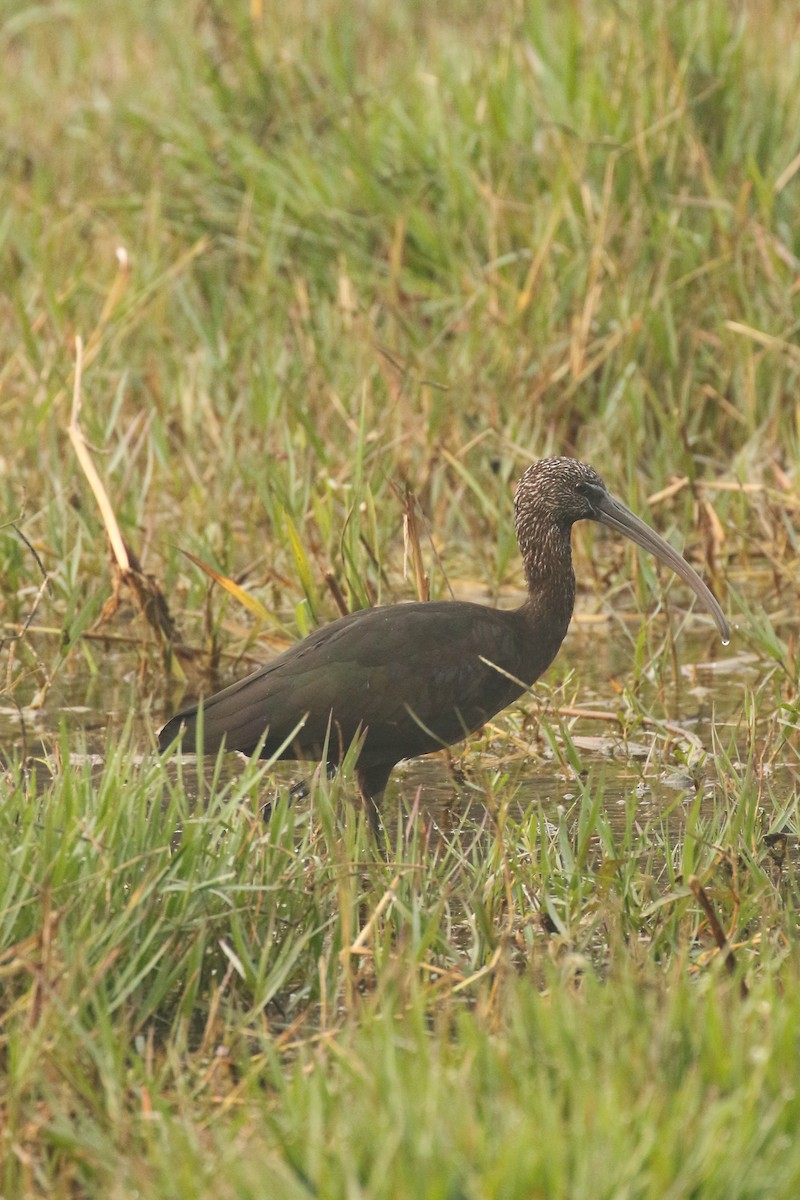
193 993
376 248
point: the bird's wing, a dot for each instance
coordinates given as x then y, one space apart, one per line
412 676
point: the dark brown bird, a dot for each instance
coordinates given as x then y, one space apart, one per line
411 678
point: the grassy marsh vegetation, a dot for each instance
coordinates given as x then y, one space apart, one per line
374 248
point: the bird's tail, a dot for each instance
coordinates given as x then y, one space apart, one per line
184 723
236 716
204 727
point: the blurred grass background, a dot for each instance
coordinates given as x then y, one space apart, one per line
373 247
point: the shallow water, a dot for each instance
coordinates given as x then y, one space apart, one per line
703 699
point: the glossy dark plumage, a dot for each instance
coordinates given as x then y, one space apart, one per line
412 678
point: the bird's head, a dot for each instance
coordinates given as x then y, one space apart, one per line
554 493
557 492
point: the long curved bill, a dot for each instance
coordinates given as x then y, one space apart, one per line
611 512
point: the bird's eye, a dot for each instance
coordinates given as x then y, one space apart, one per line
588 489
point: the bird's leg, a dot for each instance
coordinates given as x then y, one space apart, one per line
371 785
299 790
